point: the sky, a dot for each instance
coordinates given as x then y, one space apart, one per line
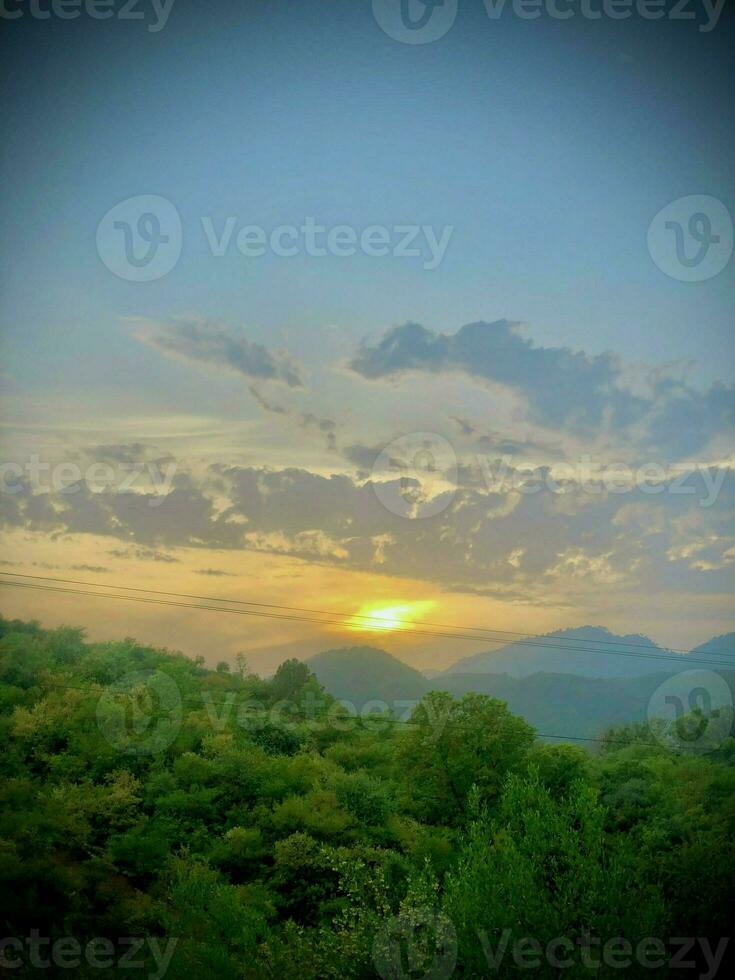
356 324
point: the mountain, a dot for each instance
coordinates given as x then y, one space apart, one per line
556 704
721 647
362 674
567 704
588 651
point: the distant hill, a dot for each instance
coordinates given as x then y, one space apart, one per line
572 702
362 674
563 704
588 651
556 703
722 647
567 704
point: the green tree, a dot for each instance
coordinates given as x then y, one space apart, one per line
451 746
543 867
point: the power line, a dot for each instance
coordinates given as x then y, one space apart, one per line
344 621
526 638
598 738
373 622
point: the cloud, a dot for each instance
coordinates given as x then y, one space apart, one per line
495 442
326 426
585 395
124 454
361 456
266 404
212 344
143 554
510 542
464 425
561 386
683 417
306 420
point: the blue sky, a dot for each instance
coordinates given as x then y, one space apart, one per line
547 146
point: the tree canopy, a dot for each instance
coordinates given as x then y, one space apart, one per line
274 834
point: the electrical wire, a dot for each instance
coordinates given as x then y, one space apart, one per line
344 620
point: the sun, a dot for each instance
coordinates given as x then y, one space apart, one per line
395 617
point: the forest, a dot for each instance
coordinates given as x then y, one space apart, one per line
193 822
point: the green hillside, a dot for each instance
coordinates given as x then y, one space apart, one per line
363 674
239 828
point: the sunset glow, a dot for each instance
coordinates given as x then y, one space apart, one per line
398 617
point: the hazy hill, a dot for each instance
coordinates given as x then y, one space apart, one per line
556 703
589 651
361 674
722 647
567 704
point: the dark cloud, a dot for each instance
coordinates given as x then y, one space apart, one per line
266 404
213 344
362 457
126 454
494 442
562 386
464 425
564 389
143 554
326 426
307 420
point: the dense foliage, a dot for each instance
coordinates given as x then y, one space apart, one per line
276 835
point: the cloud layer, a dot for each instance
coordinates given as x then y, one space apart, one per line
516 539
515 542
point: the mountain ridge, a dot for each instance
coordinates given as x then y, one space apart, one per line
606 655
557 702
